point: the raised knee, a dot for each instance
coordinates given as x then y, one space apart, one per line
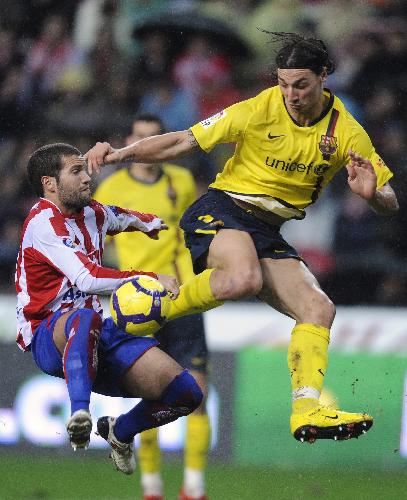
246 282
191 394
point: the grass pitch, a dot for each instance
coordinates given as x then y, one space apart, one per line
86 478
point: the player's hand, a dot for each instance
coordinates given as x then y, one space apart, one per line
170 284
362 178
155 233
101 154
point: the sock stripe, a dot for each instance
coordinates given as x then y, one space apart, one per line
305 392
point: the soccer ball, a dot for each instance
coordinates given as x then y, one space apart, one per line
140 306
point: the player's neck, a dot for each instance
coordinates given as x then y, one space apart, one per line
145 173
307 119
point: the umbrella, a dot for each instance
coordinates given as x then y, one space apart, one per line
180 26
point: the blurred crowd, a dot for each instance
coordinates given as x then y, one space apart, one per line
80 71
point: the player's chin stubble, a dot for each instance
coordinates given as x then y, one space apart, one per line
75 200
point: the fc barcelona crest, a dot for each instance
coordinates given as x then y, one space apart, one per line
328 145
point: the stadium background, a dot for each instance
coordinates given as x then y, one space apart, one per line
73 71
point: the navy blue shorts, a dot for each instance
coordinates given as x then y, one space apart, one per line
184 340
216 210
117 351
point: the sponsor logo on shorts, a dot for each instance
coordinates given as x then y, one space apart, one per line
208 122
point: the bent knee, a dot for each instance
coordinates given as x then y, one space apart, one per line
242 283
191 395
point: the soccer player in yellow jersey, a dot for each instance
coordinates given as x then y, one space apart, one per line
291 140
167 190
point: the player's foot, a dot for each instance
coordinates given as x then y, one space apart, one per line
122 454
153 497
79 427
183 496
327 423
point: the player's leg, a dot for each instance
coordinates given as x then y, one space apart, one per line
229 250
65 345
139 369
291 288
184 340
216 235
197 444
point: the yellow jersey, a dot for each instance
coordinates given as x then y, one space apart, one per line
168 198
277 164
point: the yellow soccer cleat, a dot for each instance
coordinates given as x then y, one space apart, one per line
327 423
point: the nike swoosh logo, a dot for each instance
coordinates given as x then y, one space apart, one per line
333 418
274 136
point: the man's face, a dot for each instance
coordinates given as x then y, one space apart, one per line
142 129
73 185
301 88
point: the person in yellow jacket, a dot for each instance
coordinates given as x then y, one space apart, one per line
166 190
290 141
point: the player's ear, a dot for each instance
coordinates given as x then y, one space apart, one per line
323 75
49 184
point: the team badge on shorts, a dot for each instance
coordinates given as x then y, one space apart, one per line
328 145
213 119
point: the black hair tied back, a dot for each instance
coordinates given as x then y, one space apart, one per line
297 51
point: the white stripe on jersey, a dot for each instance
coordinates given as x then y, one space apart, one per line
59 262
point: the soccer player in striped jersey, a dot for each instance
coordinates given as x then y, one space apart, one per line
167 190
58 279
291 139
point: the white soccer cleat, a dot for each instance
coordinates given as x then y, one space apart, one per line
79 427
122 454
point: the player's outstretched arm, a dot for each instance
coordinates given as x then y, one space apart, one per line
362 181
152 149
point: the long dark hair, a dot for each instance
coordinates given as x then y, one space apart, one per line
297 51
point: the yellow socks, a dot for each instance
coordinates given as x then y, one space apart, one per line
150 462
149 454
197 444
195 297
197 441
307 362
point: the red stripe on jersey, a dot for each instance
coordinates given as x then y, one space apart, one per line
106 272
139 215
332 122
100 219
43 283
87 240
21 343
58 223
31 215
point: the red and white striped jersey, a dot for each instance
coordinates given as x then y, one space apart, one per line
59 262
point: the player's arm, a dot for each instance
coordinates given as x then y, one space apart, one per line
155 149
362 180
67 258
121 220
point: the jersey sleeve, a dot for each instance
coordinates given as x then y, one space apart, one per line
362 145
62 253
123 220
226 126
